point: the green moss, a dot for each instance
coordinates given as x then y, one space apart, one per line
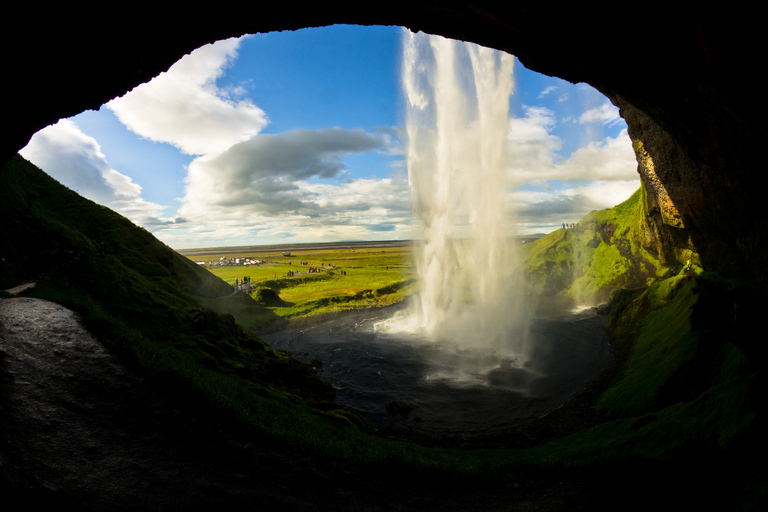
606 271
666 342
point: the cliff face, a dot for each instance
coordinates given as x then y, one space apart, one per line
707 211
663 169
679 78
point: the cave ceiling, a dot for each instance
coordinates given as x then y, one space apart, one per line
667 64
690 73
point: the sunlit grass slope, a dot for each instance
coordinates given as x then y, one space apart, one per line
689 380
604 252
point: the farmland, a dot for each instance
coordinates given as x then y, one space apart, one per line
316 281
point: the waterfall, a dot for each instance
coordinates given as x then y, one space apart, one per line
457 108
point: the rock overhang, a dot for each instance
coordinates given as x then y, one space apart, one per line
675 72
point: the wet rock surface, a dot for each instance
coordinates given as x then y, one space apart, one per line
414 386
80 431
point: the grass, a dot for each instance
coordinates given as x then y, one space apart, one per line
686 381
347 279
666 342
605 251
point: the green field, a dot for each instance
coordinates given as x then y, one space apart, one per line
343 279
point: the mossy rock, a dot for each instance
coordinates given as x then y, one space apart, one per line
268 297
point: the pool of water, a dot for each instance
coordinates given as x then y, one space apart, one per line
446 389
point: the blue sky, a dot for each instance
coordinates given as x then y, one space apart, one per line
297 137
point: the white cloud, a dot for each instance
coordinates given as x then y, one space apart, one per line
533 158
261 174
604 172
534 127
531 148
542 211
270 184
246 186
185 108
74 159
599 195
611 159
362 209
546 91
606 114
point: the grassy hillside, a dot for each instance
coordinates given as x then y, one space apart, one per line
141 299
674 327
607 250
689 382
687 394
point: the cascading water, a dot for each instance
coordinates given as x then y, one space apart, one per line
459 362
457 101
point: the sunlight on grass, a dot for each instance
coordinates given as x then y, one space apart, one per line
320 281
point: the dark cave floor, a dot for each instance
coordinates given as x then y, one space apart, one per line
80 431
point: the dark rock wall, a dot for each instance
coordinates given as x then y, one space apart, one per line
686 82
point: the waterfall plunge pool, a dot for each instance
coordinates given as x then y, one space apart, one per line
447 390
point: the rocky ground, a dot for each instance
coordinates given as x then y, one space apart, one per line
80 431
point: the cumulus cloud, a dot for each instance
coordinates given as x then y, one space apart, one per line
550 189
356 210
530 145
546 91
247 186
611 159
283 184
185 108
541 210
533 153
606 114
75 160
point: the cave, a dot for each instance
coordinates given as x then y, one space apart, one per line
677 76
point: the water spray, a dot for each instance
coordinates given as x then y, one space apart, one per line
457 102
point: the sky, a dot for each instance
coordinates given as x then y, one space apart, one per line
297 137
